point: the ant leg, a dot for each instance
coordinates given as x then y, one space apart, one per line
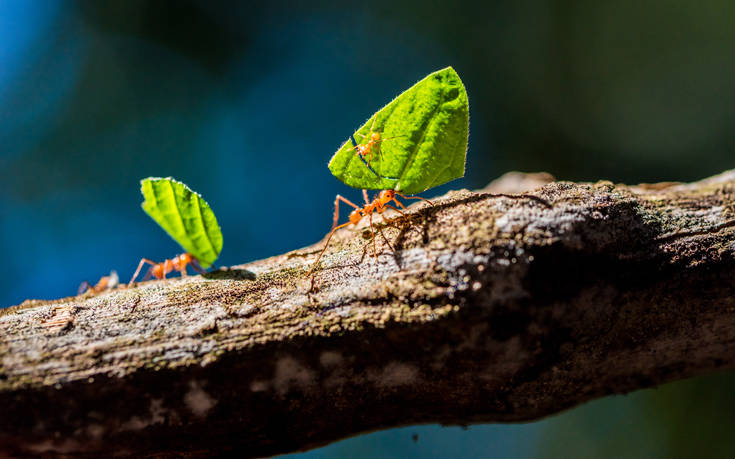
83 287
137 271
325 247
375 249
390 246
364 251
363 136
359 154
354 142
414 197
197 267
336 208
365 196
396 209
400 204
352 139
148 274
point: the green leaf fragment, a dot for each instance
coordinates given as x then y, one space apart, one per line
430 123
185 216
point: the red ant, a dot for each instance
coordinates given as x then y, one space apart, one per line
372 145
379 204
105 282
159 270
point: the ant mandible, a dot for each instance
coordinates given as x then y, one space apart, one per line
159 270
379 204
372 146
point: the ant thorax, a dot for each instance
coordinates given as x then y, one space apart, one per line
379 204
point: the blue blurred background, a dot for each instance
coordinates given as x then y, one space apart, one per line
247 102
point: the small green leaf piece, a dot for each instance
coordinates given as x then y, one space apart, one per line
425 132
184 215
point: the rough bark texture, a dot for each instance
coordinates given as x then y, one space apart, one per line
484 308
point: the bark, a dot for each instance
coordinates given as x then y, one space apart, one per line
481 308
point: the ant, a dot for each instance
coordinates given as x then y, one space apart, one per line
372 146
105 282
379 204
159 270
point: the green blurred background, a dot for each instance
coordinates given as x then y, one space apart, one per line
247 102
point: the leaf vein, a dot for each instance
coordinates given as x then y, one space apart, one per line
176 208
412 158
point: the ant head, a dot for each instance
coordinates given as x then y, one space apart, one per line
179 262
386 196
375 137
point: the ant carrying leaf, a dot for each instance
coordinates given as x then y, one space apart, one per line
378 205
188 219
429 127
432 121
372 147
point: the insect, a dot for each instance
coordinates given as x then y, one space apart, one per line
378 205
372 146
159 270
105 282
434 114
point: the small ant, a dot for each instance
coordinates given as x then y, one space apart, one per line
372 146
159 270
105 282
379 204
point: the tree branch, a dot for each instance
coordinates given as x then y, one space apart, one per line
484 308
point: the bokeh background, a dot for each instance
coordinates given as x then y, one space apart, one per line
247 102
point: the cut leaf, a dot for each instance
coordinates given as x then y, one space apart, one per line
430 126
185 216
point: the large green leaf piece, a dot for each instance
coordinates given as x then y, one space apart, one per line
184 215
430 126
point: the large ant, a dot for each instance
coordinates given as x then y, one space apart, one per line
379 204
159 270
372 146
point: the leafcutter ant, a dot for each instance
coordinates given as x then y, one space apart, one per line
378 205
374 140
159 270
